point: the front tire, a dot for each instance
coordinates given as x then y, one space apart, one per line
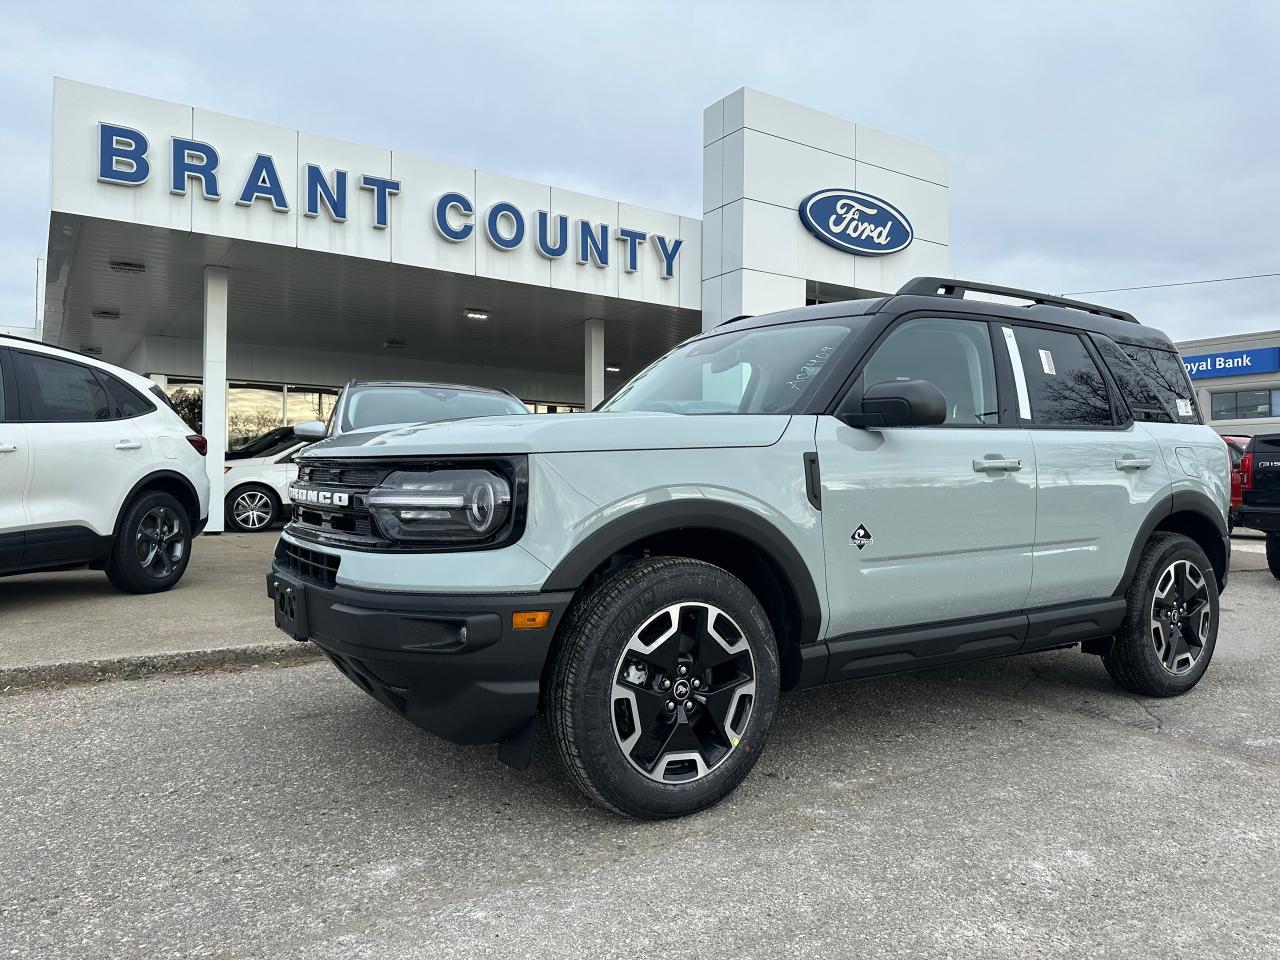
1273 554
153 547
251 508
1171 625
663 687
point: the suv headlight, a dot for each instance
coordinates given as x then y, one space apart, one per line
445 507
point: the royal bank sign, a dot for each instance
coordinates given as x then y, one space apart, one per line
126 158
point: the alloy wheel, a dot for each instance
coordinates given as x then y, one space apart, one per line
1181 616
160 543
252 509
683 690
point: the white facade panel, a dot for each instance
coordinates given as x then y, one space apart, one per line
78 109
414 238
523 264
783 172
712 243
240 143
566 272
895 153
791 121
712 176
925 204
646 282
713 123
322 231
689 277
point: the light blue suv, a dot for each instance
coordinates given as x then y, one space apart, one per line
826 493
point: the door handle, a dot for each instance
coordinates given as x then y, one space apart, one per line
8 448
128 445
1133 463
995 464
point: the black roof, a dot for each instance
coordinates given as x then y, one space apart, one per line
926 293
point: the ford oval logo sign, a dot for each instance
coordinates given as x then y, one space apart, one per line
855 222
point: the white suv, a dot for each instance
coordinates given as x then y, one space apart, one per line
95 470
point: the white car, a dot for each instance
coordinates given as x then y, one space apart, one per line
96 469
258 477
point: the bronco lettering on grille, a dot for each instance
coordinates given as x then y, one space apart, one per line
327 498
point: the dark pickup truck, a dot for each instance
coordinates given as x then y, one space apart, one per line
1260 493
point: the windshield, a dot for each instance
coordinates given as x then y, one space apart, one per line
264 446
762 370
380 406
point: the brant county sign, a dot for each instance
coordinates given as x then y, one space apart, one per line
125 159
855 222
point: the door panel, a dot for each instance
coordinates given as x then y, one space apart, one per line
83 463
14 466
1096 489
947 541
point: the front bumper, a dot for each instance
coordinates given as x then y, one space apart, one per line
450 663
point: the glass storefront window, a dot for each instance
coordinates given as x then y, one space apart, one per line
1253 403
1245 404
252 411
304 403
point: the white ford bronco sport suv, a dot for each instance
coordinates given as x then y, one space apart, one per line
96 469
837 491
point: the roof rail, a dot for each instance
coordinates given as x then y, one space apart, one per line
941 287
741 316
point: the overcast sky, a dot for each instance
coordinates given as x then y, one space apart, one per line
1092 145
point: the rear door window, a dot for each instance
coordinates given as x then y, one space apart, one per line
1062 385
60 391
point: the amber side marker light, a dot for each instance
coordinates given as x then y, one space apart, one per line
530 619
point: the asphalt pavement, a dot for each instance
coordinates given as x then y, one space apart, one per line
1014 808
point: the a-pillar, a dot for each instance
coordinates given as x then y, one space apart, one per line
593 370
216 281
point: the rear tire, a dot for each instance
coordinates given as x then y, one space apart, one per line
663 687
153 546
252 507
1273 554
1171 625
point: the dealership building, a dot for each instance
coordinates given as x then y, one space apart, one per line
1237 381
256 268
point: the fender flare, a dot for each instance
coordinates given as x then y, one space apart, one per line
146 481
1180 501
713 515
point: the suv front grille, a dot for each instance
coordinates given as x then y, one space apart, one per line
309 565
347 525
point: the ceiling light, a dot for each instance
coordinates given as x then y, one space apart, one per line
612 369
394 344
476 314
91 349
105 315
126 266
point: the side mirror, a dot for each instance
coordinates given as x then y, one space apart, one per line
311 430
899 403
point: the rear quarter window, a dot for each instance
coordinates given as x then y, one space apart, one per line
1165 372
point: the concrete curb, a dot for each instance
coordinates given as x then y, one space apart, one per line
286 653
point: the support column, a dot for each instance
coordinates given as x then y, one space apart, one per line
214 428
593 339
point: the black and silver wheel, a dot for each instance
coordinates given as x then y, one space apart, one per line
153 545
252 507
1171 623
663 687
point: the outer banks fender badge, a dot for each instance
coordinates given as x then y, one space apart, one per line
861 537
